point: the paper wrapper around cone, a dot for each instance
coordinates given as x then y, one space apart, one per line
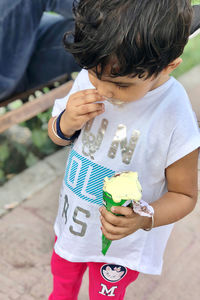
108 203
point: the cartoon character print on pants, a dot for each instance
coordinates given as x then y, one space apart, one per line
111 273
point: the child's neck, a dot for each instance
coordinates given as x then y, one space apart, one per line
161 79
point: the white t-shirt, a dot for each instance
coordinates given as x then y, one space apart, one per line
145 136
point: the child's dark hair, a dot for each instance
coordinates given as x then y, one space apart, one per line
142 36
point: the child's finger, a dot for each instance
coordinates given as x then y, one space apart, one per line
114 233
112 229
82 119
92 115
109 236
113 219
84 100
85 97
85 92
121 210
90 108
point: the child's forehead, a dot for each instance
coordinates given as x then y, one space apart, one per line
108 76
110 69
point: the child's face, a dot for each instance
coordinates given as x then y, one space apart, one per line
124 89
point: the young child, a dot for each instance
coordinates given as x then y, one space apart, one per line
124 113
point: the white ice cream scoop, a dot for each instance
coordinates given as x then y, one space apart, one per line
114 101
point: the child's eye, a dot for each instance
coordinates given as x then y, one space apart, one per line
122 86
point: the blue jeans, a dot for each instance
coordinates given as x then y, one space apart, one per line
196 18
31 49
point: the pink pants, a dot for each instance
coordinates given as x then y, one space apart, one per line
105 280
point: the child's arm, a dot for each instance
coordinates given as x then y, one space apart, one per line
80 108
179 201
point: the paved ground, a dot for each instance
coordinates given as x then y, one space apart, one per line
26 235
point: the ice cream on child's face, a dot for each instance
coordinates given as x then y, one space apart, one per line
124 186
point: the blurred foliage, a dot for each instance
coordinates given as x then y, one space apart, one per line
16 156
38 126
31 159
190 56
4 152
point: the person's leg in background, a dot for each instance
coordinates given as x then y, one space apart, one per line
30 45
50 59
196 19
67 278
109 280
19 22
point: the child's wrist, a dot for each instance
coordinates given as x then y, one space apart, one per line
69 135
148 223
68 132
146 212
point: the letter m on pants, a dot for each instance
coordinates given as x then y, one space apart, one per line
107 292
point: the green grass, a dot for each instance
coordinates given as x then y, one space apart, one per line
191 56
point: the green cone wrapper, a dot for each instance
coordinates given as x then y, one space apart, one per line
108 203
120 190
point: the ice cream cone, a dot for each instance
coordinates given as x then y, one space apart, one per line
108 203
121 193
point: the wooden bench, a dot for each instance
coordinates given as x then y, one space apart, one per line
32 108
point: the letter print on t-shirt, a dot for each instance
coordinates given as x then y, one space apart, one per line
85 178
92 143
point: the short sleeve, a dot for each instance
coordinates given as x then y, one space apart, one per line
185 138
60 104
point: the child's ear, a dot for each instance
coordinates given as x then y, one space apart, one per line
173 65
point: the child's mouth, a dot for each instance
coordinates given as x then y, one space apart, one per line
115 101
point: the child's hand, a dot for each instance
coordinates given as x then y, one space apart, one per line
81 107
117 227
